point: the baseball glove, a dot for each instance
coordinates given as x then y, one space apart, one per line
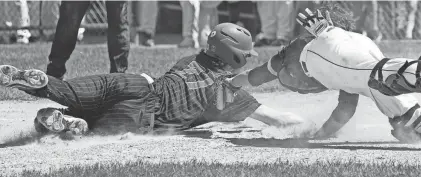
291 74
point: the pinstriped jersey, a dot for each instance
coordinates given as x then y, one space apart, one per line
187 90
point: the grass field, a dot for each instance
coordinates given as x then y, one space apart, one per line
38 157
195 168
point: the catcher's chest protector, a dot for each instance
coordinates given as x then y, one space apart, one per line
293 77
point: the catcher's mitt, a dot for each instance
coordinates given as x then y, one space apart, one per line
291 74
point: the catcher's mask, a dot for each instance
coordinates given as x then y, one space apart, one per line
291 75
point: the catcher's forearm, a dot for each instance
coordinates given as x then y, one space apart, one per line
341 115
254 77
335 122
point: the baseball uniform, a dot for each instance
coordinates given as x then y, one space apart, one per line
343 60
182 98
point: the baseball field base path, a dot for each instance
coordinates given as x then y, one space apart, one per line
366 138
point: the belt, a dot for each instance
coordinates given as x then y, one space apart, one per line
149 129
304 66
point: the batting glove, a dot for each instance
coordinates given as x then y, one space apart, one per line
315 24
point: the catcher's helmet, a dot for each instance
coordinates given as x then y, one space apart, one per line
231 44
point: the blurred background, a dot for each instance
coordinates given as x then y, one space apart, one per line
187 23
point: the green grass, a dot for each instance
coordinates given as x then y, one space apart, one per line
202 169
93 59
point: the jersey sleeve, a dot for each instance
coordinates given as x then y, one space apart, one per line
242 107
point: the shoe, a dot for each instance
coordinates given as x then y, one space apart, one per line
80 33
39 127
145 39
31 79
54 71
239 23
187 43
279 42
23 36
54 120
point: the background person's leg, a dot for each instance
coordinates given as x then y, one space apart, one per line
208 19
118 36
234 11
267 16
285 16
146 14
190 15
71 14
23 34
411 19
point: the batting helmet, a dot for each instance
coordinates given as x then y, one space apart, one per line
231 44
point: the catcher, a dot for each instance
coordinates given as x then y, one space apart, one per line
334 58
191 93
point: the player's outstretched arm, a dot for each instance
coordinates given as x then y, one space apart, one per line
253 77
340 116
276 118
262 74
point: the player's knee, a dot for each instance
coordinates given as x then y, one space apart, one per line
411 119
407 128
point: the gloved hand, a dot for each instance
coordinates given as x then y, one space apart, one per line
315 24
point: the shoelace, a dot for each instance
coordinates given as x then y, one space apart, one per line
63 110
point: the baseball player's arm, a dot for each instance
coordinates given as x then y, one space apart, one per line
262 74
275 118
341 115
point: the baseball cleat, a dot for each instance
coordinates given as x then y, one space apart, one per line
30 79
39 127
55 121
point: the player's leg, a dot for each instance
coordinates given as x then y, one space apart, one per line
135 115
404 115
48 119
71 14
396 76
118 35
84 96
94 94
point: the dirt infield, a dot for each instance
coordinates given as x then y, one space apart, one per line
365 138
